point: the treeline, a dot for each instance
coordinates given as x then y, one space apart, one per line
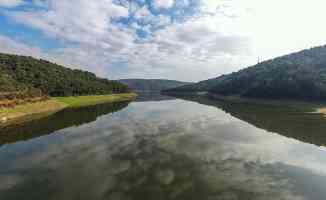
22 73
300 75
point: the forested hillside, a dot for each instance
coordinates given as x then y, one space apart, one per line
152 85
8 84
21 73
300 75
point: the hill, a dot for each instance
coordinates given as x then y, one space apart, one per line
152 85
300 75
21 74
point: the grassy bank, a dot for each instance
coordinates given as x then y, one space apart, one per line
81 101
29 111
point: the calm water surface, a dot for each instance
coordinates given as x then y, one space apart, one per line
166 149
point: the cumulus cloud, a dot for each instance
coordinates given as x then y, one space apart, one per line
143 13
11 46
77 20
158 4
165 38
197 45
10 3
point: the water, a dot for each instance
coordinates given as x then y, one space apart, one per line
165 148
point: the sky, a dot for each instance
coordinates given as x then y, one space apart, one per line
189 40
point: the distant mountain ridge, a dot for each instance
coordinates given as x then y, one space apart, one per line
300 75
152 85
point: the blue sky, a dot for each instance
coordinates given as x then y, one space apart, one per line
188 40
26 34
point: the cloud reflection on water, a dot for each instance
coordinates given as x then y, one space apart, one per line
165 150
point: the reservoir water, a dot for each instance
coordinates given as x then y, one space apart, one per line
166 148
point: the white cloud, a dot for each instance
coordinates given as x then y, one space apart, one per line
197 45
212 5
143 13
11 46
280 27
10 3
75 20
225 36
158 4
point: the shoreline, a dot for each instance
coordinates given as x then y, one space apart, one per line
321 110
313 107
31 111
317 107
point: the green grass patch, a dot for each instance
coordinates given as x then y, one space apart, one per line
81 101
27 111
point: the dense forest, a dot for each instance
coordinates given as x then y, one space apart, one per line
152 85
300 75
27 75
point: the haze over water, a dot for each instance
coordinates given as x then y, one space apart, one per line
167 149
